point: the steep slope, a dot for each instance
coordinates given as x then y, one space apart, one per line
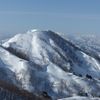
38 46
44 62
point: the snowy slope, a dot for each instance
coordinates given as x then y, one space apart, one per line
79 98
43 61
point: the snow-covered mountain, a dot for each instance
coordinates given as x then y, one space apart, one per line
45 63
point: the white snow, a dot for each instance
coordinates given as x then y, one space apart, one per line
51 67
16 65
79 98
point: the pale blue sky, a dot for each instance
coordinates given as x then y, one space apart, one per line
67 16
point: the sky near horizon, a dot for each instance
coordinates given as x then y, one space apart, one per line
67 16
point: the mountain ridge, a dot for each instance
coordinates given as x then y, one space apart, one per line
45 61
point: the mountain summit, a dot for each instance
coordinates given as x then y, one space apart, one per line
45 63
